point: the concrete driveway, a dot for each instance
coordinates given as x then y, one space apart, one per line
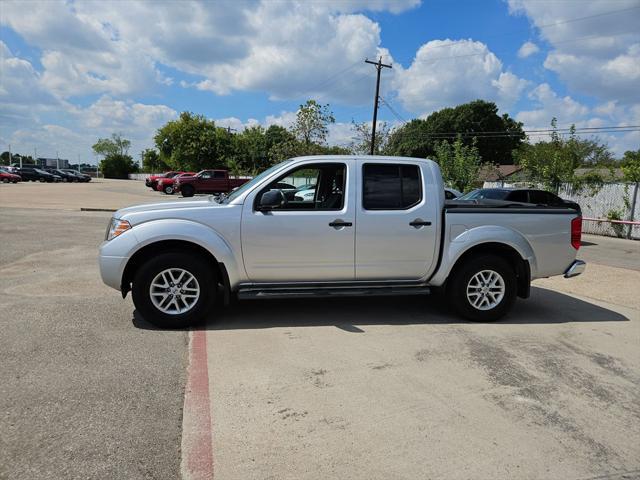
353 388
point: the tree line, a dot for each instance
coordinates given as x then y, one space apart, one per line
464 140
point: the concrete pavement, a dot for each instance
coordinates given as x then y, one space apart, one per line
353 388
397 388
84 393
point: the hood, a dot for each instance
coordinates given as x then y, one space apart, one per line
151 207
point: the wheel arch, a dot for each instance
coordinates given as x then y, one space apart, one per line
162 246
520 265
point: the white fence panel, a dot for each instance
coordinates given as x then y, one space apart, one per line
612 196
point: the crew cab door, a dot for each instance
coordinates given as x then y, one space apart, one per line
396 220
303 239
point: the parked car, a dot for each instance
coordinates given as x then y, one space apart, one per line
37 175
520 195
378 225
166 185
8 177
451 193
304 193
207 181
152 180
82 177
64 176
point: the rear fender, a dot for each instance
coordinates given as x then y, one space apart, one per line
458 243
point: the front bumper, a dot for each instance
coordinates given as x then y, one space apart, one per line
112 269
575 269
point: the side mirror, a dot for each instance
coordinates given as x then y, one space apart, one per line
272 199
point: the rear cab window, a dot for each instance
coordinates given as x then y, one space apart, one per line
390 186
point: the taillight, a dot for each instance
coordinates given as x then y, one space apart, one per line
576 232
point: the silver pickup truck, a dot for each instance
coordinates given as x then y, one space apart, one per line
334 226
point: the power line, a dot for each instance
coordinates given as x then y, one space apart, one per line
579 19
452 135
392 110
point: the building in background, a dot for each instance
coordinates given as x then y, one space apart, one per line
53 162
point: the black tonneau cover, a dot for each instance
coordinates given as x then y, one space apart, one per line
487 205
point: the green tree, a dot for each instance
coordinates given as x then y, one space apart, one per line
118 166
116 145
151 161
276 134
251 152
554 162
459 163
312 121
116 162
361 144
192 142
631 166
497 136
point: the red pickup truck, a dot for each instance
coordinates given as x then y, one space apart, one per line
207 181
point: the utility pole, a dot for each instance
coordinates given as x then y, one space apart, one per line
229 130
379 66
57 161
9 154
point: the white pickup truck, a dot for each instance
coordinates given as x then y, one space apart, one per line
375 225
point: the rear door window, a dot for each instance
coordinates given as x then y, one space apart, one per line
518 196
390 186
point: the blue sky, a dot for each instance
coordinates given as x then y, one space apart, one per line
75 71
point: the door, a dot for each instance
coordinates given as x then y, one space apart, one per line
213 181
395 222
305 238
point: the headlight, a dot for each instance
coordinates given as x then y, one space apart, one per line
116 228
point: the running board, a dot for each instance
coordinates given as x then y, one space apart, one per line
255 292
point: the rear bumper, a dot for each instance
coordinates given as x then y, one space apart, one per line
575 269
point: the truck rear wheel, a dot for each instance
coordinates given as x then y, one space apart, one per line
483 289
188 191
174 290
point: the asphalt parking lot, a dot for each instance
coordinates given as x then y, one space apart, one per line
353 388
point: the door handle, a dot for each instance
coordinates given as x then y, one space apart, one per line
340 223
417 223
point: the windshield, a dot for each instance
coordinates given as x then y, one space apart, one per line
247 186
484 193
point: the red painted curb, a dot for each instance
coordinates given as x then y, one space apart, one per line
197 450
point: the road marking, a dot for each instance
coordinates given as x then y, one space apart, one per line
197 451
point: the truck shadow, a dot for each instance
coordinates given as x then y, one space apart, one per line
544 307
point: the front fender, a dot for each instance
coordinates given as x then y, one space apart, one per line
459 241
127 244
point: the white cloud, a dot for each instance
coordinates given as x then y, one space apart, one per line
527 49
464 71
548 104
76 129
596 49
116 47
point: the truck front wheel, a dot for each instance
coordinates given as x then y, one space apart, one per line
483 289
188 191
174 290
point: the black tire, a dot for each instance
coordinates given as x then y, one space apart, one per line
462 276
188 191
5 180
193 264
168 189
42 179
